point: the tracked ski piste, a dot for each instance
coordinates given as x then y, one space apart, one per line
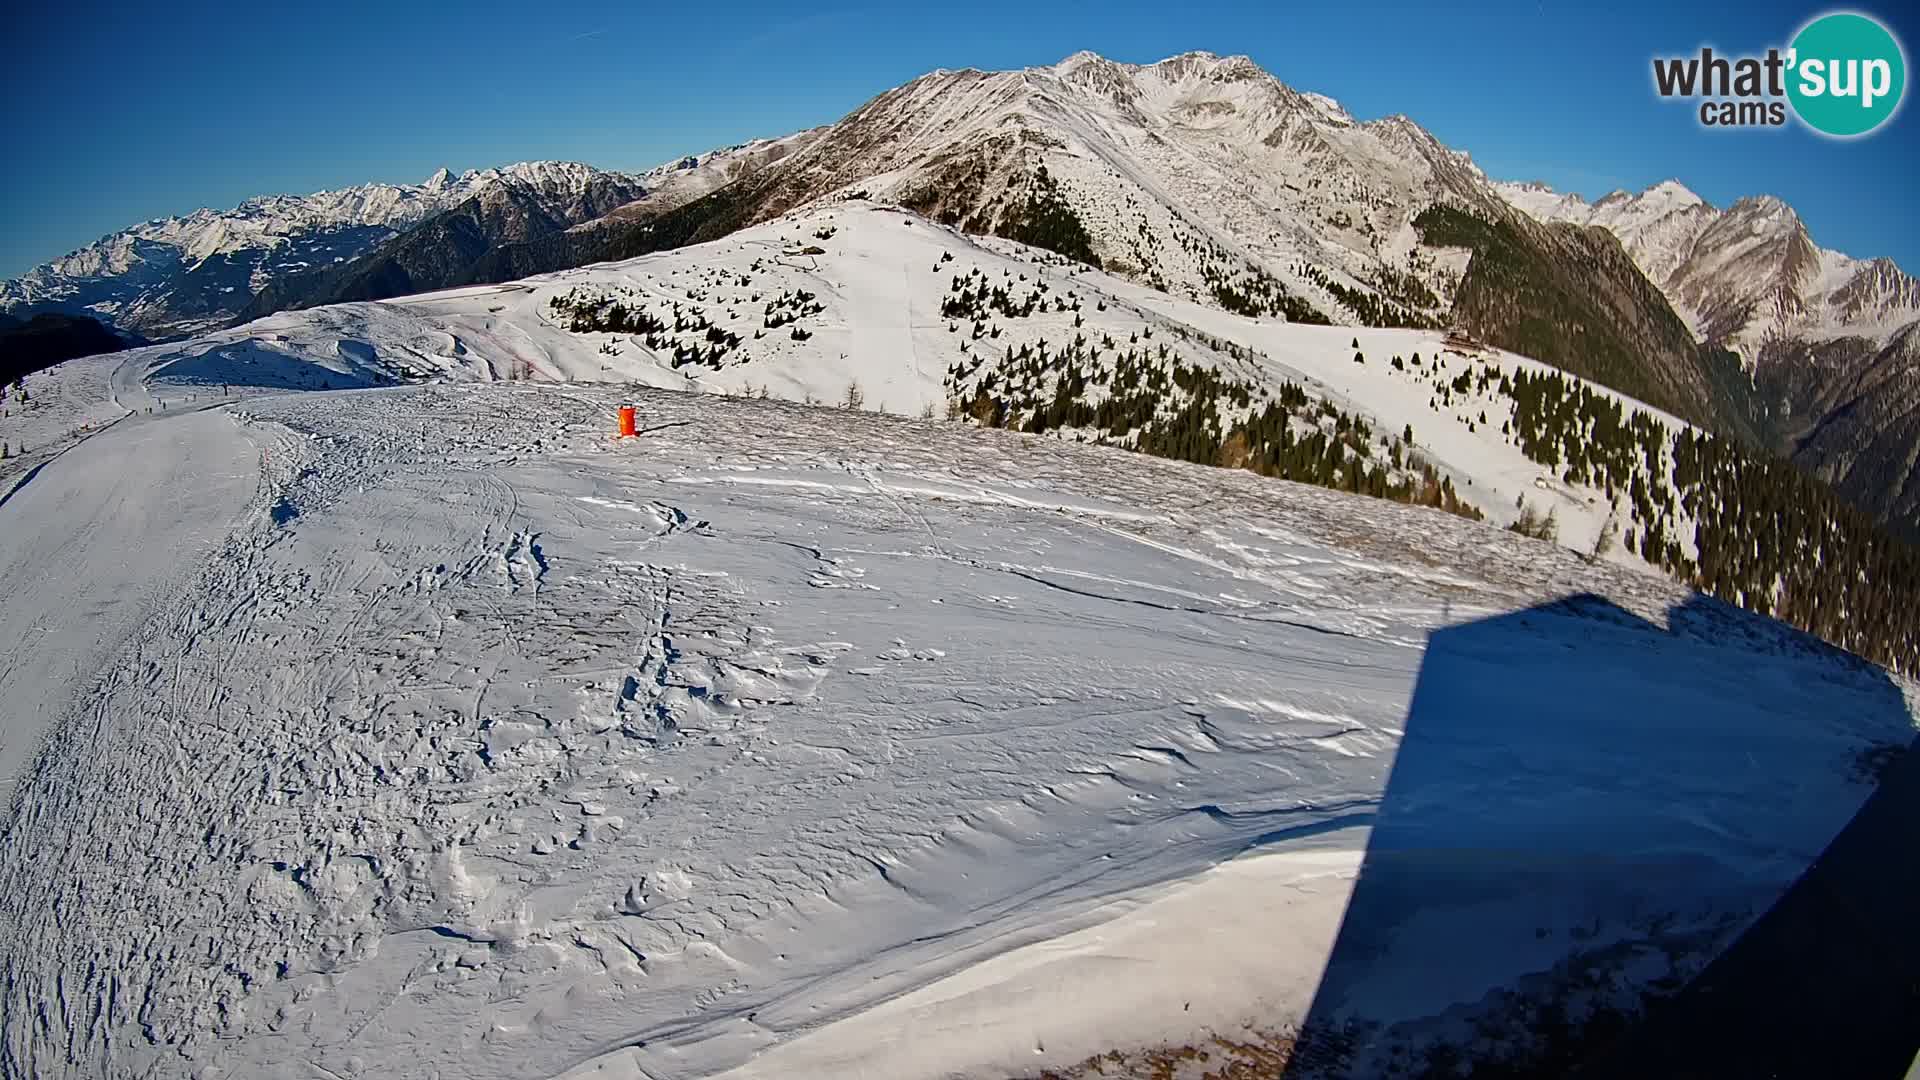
486 745
90 548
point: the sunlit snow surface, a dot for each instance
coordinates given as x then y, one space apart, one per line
487 745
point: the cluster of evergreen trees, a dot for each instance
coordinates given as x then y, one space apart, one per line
1764 536
1405 288
1590 438
1258 294
1771 539
1045 219
1150 399
1271 443
1370 309
790 307
974 297
684 333
1144 244
583 312
1242 287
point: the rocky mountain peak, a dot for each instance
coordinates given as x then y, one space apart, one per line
1673 192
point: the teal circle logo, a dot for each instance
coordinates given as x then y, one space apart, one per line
1848 74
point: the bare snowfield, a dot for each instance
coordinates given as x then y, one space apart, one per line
449 736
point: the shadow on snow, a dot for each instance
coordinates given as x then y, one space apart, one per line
255 365
1585 810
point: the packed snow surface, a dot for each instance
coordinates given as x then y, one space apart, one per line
433 731
74 594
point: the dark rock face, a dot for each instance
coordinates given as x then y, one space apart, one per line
28 345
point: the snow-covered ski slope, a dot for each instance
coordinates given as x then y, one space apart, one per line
874 281
427 730
811 742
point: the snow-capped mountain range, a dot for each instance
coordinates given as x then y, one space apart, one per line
180 275
1209 179
1743 275
1201 176
1189 173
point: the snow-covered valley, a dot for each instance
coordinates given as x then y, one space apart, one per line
450 735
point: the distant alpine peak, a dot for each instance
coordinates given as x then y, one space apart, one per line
1667 195
1197 62
1084 58
538 173
1332 110
1203 87
1741 276
1674 191
1202 61
441 179
1763 208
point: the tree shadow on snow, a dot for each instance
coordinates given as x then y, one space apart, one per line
1588 808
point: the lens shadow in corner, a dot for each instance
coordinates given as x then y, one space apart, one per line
1586 810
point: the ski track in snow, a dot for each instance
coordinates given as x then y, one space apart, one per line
485 745
68 612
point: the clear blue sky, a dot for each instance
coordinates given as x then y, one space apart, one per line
121 112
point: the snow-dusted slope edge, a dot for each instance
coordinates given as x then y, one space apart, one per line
491 746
